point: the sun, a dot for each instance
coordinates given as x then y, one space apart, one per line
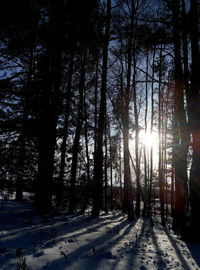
149 139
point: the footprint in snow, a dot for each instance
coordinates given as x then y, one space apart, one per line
70 240
161 264
108 255
38 254
143 267
88 239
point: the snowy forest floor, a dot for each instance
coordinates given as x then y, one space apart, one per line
79 242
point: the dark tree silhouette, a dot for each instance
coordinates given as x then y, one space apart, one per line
98 158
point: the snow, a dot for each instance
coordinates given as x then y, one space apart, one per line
77 242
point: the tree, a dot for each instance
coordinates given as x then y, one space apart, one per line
49 104
75 148
180 126
98 158
193 105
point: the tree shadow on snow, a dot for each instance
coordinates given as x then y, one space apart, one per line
134 245
178 251
30 232
93 252
18 228
195 252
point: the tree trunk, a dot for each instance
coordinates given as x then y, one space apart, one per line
111 167
193 107
23 135
106 170
137 165
152 122
128 189
144 211
60 184
87 184
120 171
75 150
49 111
181 133
98 158
160 162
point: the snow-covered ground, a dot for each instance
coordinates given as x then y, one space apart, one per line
78 242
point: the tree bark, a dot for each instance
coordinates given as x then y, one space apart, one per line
98 158
75 150
106 169
60 184
49 111
152 125
87 184
144 211
137 165
23 135
160 162
193 107
180 124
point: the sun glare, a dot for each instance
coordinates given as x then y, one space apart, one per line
149 139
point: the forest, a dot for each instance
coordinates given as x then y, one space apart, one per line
100 112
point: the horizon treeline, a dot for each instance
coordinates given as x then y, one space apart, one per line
100 107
